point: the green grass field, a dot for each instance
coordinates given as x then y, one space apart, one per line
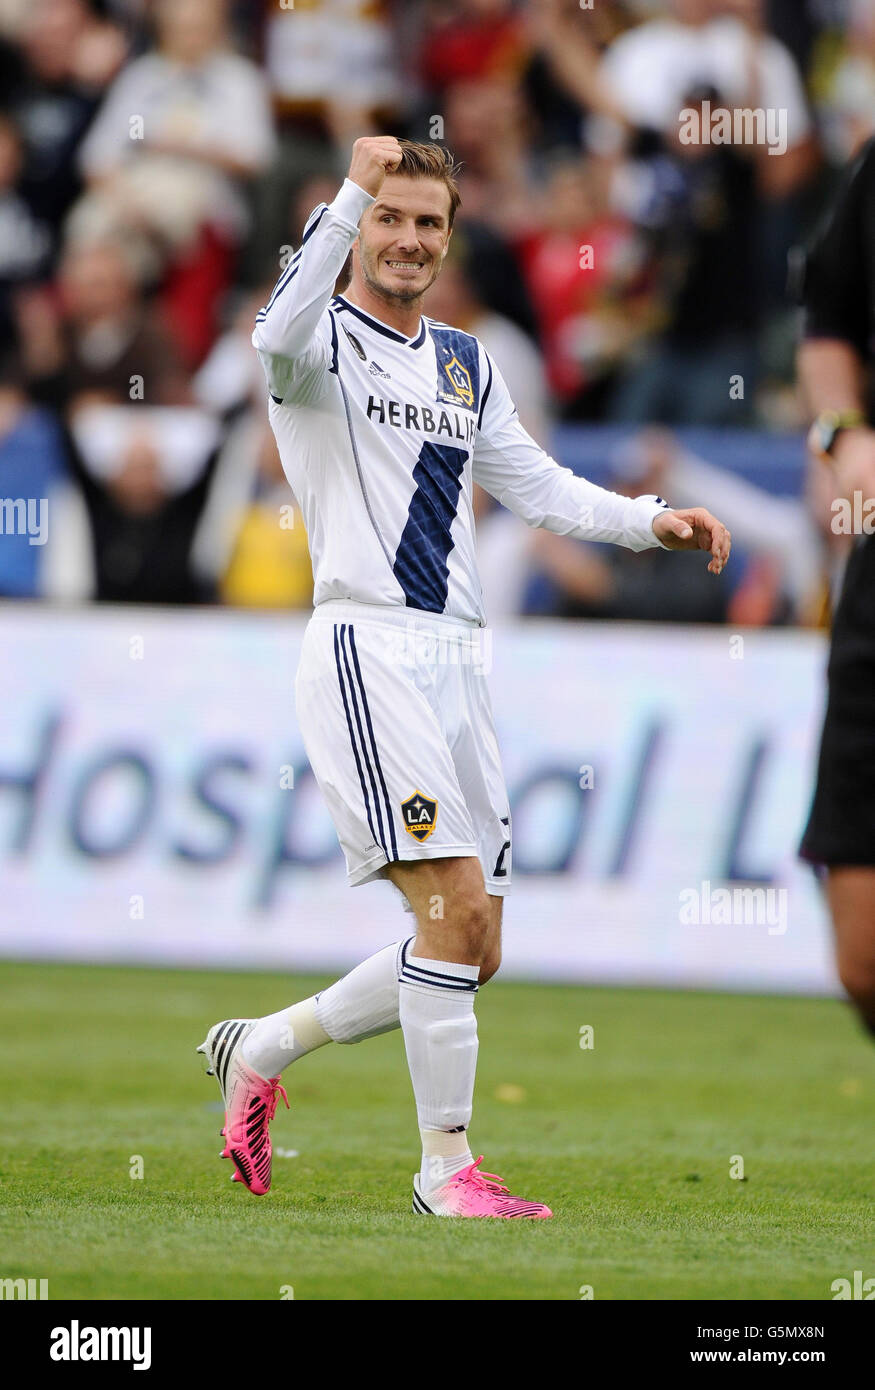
630 1143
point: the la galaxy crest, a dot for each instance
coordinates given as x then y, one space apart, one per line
460 380
420 815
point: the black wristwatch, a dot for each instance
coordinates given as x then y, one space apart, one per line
828 426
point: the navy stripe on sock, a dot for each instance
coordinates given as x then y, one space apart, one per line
440 987
418 974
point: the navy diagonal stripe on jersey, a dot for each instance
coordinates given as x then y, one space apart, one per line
377 763
420 563
355 750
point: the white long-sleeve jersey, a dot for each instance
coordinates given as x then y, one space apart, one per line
382 437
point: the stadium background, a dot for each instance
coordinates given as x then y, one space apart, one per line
157 163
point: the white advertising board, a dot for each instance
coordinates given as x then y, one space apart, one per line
156 803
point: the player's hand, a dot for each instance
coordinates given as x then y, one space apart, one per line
694 528
373 157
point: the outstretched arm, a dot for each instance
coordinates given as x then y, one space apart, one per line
519 474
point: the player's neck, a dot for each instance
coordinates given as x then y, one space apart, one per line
402 315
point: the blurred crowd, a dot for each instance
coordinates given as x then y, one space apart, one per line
158 161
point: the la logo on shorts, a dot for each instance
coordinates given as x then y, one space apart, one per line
420 815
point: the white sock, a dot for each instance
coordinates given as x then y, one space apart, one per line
281 1038
361 1005
443 1154
365 1002
436 1006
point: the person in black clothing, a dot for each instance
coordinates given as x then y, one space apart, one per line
837 369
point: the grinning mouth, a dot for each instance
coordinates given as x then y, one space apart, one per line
406 265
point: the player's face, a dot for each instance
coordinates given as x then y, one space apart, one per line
403 238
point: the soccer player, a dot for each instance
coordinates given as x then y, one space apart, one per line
836 363
384 420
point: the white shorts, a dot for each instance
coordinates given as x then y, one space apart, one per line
395 715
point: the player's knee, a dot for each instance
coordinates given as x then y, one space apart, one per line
490 965
857 974
473 923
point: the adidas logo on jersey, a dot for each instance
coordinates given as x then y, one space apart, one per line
376 370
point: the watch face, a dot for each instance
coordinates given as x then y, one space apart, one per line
821 436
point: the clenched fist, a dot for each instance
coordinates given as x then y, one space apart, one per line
373 157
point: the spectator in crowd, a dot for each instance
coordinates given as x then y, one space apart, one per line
99 336
43 527
726 205
486 130
333 68
181 133
65 59
25 241
250 541
269 563
471 41
586 267
702 367
848 98
145 473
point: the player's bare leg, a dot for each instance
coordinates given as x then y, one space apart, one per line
247 1055
851 895
457 940
453 910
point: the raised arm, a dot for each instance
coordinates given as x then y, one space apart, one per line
295 355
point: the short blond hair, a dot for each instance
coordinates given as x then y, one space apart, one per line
425 161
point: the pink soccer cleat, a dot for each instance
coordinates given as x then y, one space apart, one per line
473 1193
250 1103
